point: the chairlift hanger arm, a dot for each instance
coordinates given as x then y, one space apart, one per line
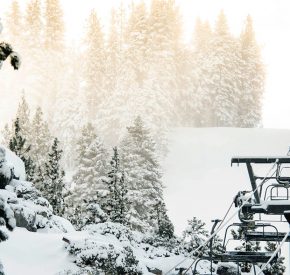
261 160
253 182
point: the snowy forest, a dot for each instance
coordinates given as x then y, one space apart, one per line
141 66
88 121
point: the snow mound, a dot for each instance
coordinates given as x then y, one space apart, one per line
15 162
99 244
31 210
34 253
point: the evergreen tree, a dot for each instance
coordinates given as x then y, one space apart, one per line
165 227
54 26
252 79
136 42
33 26
88 179
225 75
142 171
40 145
116 201
20 147
198 99
40 139
23 114
277 268
54 54
195 234
70 111
6 135
14 23
94 66
35 69
53 184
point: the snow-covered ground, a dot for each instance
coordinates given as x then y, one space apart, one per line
34 253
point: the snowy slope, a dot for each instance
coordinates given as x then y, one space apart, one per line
34 253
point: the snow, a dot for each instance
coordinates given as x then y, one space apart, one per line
16 162
34 253
200 182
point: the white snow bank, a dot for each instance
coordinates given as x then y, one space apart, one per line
34 253
16 162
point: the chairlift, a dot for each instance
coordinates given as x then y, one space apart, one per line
266 198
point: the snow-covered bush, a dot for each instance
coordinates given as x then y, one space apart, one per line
6 172
86 214
116 249
6 215
31 210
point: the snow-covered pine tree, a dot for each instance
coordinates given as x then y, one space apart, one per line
33 25
198 100
40 139
88 186
136 41
277 268
35 69
94 65
40 145
54 54
116 201
142 171
19 146
71 112
223 75
14 24
165 228
163 36
53 183
252 79
91 158
194 235
23 114
54 25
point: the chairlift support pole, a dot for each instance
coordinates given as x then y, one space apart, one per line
253 182
215 223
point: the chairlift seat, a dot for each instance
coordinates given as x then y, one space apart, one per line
265 236
272 207
247 256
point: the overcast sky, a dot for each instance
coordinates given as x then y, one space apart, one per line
271 22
